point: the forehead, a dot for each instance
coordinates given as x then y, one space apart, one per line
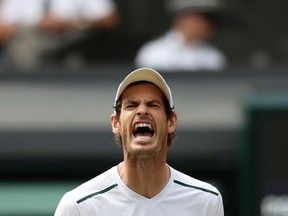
142 90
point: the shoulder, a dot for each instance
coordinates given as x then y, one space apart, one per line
210 49
154 52
162 41
94 185
68 205
196 185
199 193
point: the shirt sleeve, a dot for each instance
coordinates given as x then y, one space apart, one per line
218 207
67 207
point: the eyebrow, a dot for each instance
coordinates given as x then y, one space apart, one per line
147 101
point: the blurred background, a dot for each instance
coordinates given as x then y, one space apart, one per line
58 79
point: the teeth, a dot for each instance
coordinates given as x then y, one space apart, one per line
144 125
140 130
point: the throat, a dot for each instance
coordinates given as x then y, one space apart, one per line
147 183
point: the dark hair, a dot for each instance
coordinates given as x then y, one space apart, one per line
168 110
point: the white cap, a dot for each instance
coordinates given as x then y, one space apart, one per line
149 75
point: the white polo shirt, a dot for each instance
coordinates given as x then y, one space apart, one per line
12 11
82 9
169 53
27 13
107 195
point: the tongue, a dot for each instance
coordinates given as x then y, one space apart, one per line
143 134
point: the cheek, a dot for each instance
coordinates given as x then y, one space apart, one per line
162 127
125 131
125 124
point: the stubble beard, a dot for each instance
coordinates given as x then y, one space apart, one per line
144 155
140 155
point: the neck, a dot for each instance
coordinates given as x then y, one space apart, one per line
146 177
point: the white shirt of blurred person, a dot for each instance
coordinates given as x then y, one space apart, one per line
184 47
20 17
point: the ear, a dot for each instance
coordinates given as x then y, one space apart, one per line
114 120
172 123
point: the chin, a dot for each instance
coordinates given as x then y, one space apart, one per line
144 155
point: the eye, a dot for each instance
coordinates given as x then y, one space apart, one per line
130 106
154 105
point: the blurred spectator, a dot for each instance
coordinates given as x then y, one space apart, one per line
185 46
32 31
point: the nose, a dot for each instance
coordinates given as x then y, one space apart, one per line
142 109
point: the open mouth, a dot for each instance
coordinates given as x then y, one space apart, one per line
143 130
